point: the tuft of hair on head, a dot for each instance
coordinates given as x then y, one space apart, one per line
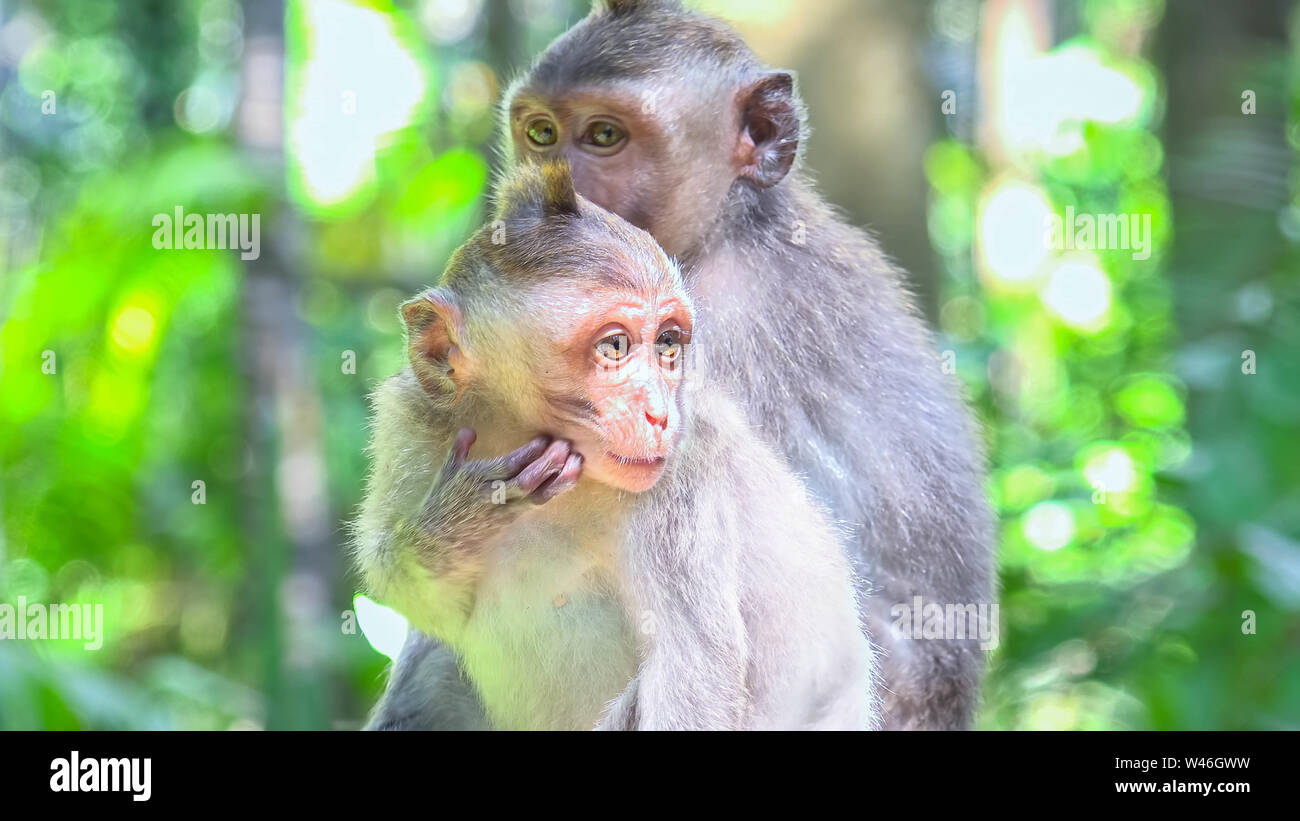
539 219
544 230
662 41
620 8
537 191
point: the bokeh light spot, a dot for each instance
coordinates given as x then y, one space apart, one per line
133 329
1049 525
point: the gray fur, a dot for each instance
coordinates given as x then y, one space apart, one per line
427 690
876 425
718 599
819 341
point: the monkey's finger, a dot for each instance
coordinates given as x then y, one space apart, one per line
544 467
562 481
508 466
464 441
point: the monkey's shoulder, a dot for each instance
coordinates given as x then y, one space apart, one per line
724 450
720 429
404 415
401 393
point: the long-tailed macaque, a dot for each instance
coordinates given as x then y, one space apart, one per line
643 560
669 120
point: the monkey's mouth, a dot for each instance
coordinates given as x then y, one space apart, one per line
654 461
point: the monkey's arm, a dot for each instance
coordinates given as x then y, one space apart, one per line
684 571
427 691
425 558
754 606
426 524
432 578
693 676
690 680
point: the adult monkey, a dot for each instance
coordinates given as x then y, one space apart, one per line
668 119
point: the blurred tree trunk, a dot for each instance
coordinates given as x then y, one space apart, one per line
290 525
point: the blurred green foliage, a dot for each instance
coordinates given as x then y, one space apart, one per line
1148 489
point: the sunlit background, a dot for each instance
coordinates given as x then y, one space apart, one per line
1148 485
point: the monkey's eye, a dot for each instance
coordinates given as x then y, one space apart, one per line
614 346
669 345
604 134
541 131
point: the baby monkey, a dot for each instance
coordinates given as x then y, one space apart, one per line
642 561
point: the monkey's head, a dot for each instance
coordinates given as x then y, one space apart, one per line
560 318
660 112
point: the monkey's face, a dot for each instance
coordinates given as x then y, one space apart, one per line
631 349
656 159
659 112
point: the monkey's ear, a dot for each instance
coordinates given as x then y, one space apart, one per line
434 329
769 134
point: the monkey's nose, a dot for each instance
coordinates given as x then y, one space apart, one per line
656 420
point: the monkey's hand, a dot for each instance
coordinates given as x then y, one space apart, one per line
470 499
427 563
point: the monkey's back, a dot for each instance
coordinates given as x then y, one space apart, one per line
821 345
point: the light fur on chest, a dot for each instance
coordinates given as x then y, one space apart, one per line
550 640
